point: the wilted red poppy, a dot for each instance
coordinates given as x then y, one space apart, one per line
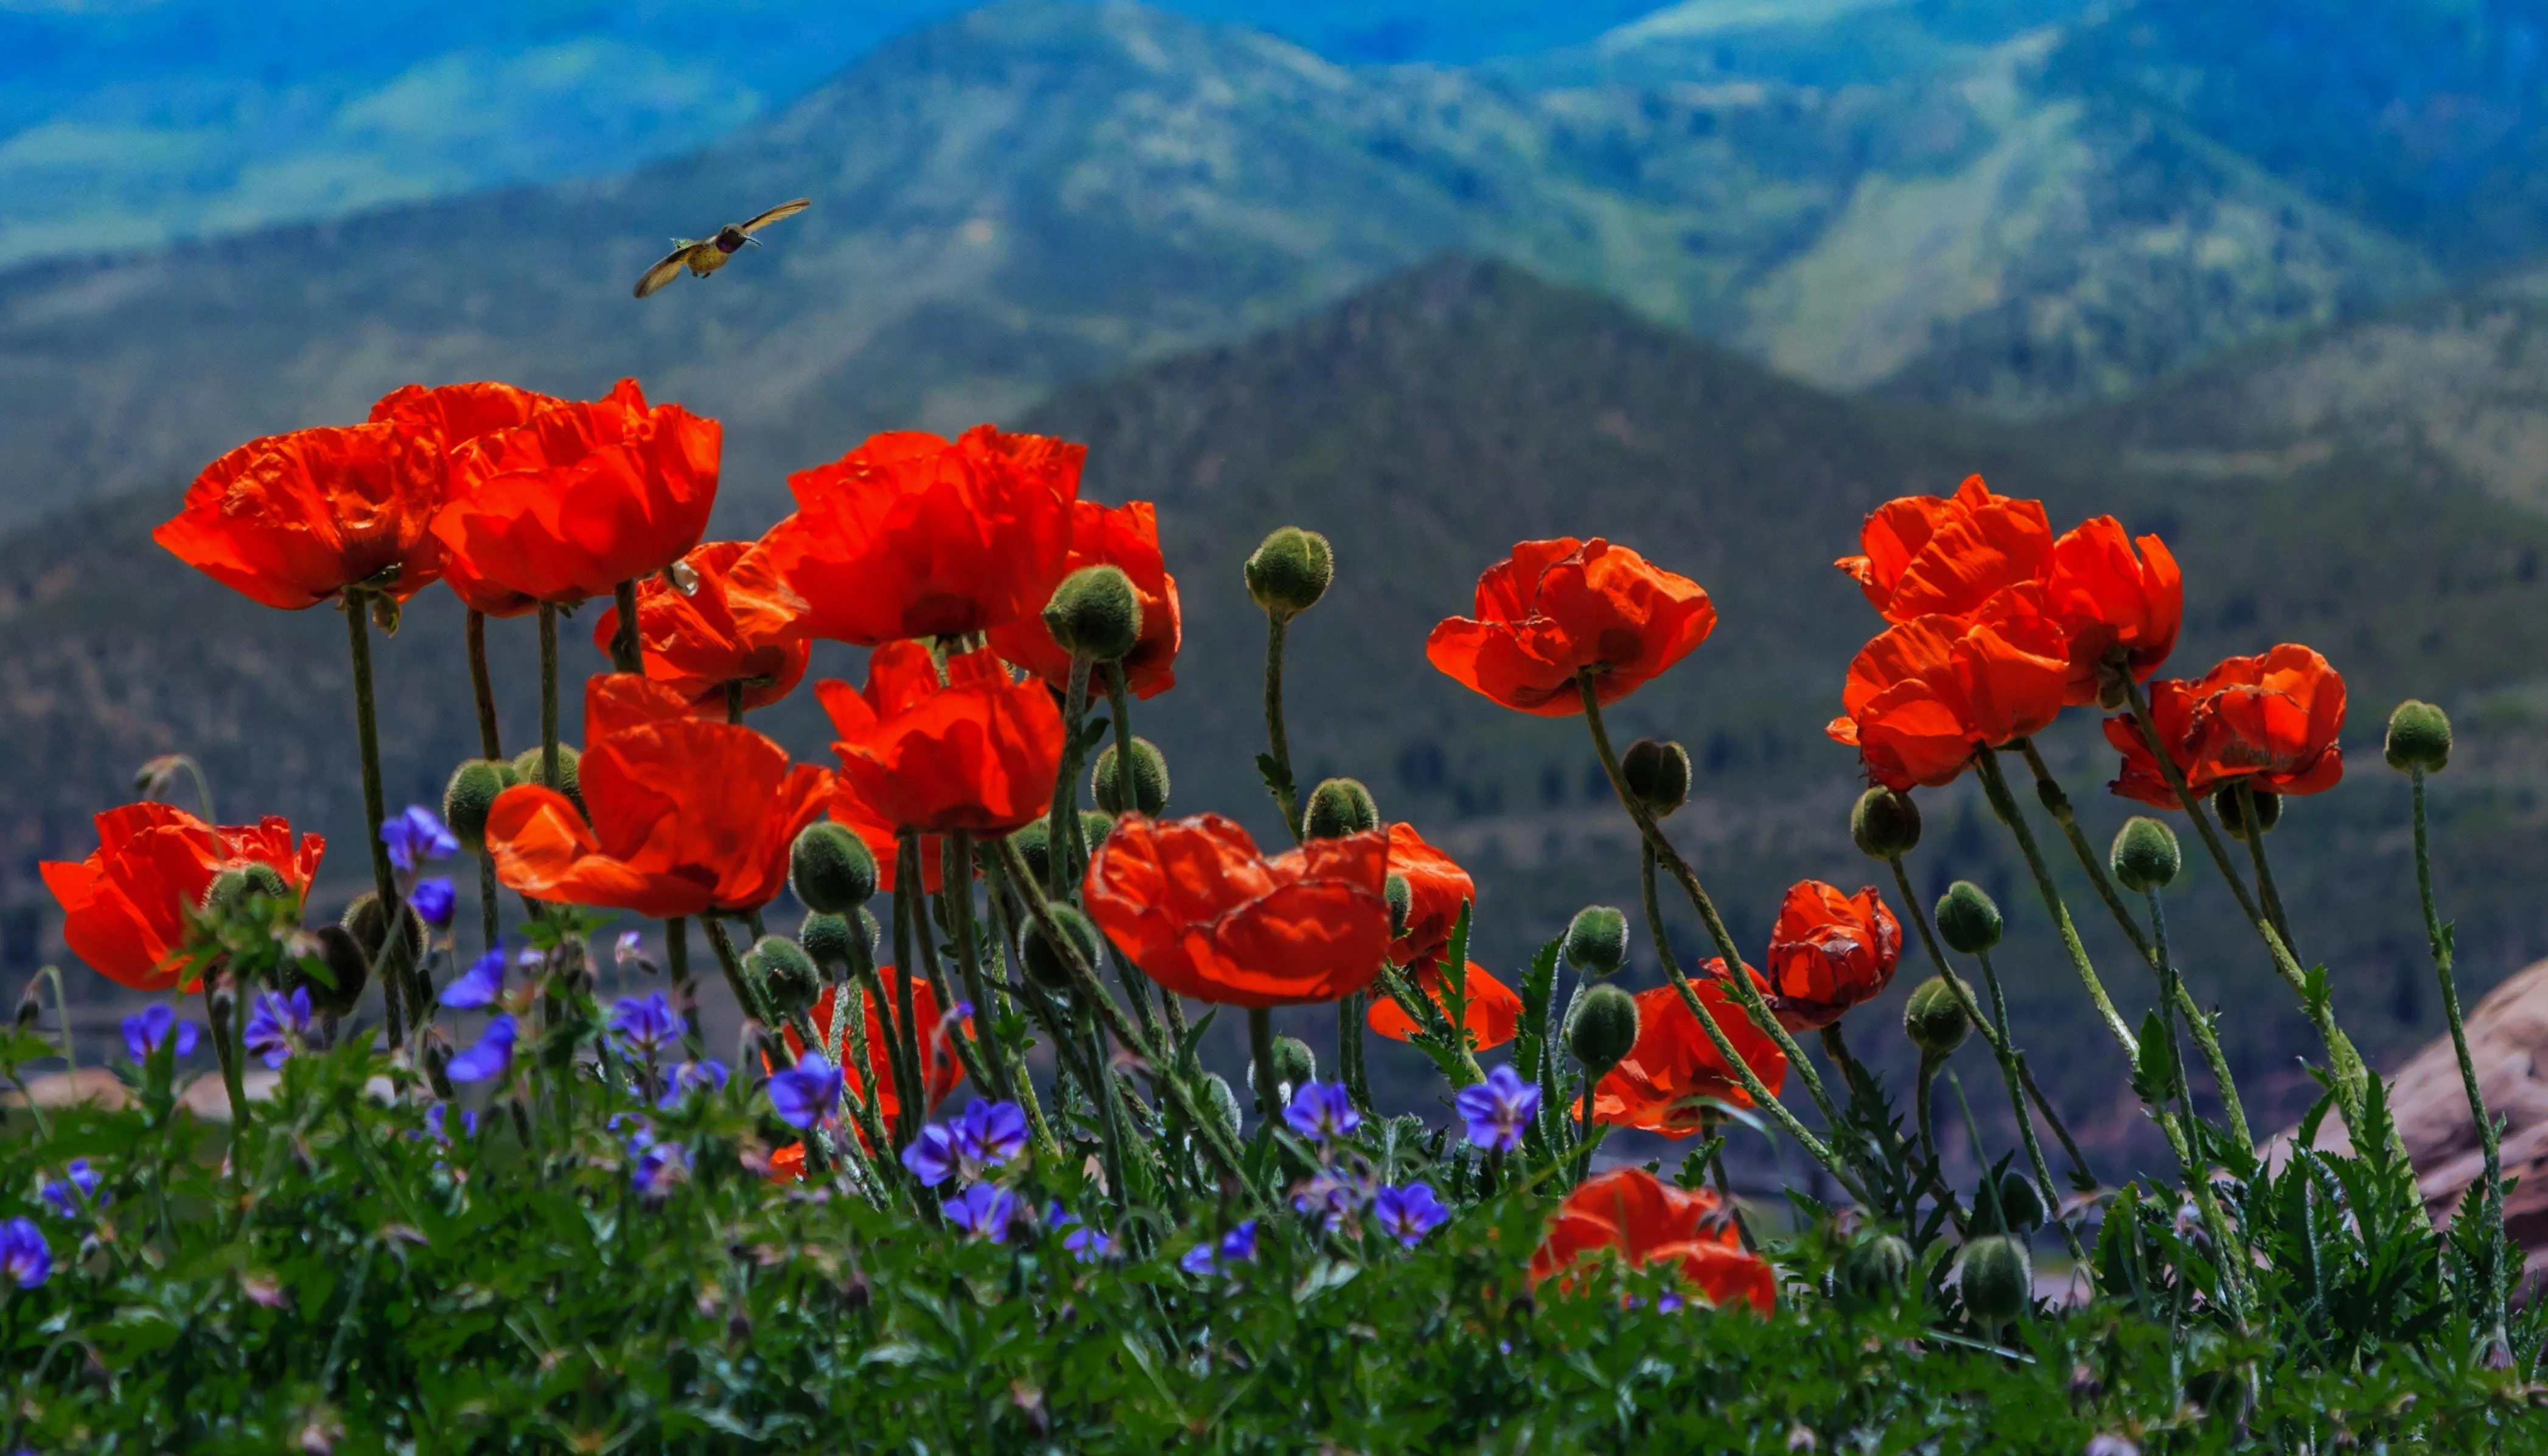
1494 1014
687 816
580 497
292 520
1927 694
1649 1221
2121 609
1194 905
1827 953
1673 1068
1124 536
451 415
1555 607
978 752
941 1071
2270 719
694 642
910 535
1437 889
1949 555
123 907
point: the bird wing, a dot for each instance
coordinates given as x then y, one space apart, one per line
784 210
663 272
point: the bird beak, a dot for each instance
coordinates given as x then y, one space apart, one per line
755 242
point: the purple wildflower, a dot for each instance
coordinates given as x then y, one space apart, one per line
434 899
1237 1246
280 1025
1321 1112
630 948
985 1135
1408 1213
989 1211
1085 1243
76 1191
645 1024
1498 1109
491 1058
659 1166
705 1075
415 836
24 1255
808 1093
437 1117
1328 1198
145 1030
482 984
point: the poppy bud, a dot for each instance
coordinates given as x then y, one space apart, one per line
1658 775
1095 613
527 766
347 965
1221 1104
2146 855
1597 940
240 881
786 975
2020 1203
1339 807
1874 1273
1600 1027
29 1007
1290 572
1094 827
1150 787
370 928
829 939
1294 1063
1886 824
1997 1280
1968 921
1035 849
471 794
2419 737
830 868
2225 807
1046 965
1935 1020
1402 902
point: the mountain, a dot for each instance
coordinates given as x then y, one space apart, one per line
1425 424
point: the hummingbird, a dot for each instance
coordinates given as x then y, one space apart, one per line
704 255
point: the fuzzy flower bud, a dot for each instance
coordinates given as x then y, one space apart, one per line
1658 773
527 769
2146 855
1294 1062
1967 920
1095 613
831 870
1402 902
1935 1020
470 795
1339 807
1597 940
832 940
1290 572
1149 784
2419 737
1886 824
1601 1027
786 975
370 928
346 965
1997 1280
2225 807
234 885
1221 1104
1046 963
1874 1272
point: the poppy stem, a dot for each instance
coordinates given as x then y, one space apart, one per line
2004 804
2011 1074
489 902
1350 1048
1060 819
481 687
734 702
735 979
548 701
394 991
969 961
967 1055
2206 1038
2438 935
910 1086
1287 791
1039 1005
1260 1058
2254 825
685 992
2342 1059
226 1049
627 649
2188 1136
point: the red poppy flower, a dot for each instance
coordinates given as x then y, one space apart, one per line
1437 889
125 906
1930 691
1649 1223
1193 904
910 535
1555 607
615 702
292 520
1124 536
696 643
2115 605
1827 953
849 810
2270 719
941 1071
978 752
687 816
1949 555
1675 1067
1494 1014
451 415
580 497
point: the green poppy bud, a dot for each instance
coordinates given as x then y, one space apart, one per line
786 975
470 795
2419 737
1294 1062
1046 965
1886 824
1150 787
1034 848
1658 775
829 939
830 868
1996 1278
528 765
2225 807
1222 1104
1875 1272
2021 1203
1597 940
1935 1020
1095 613
1290 572
1968 921
370 928
1401 904
347 966
232 886
2146 855
1339 807
1094 827
1602 1027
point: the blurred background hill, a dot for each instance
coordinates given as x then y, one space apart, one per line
1711 278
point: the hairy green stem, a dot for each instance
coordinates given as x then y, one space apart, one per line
1061 819
482 687
910 1082
1260 1061
2034 1145
627 649
956 894
2234 1259
967 1055
2438 935
398 996
2004 804
2253 825
1287 793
